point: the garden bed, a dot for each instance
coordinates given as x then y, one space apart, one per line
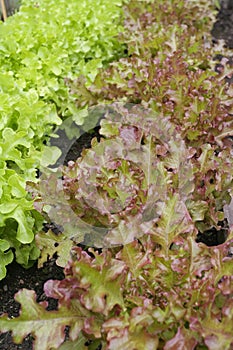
34 278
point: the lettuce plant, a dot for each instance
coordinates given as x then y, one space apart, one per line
135 298
178 84
161 173
69 38
151 285
112 193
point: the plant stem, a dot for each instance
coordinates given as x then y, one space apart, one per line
3 6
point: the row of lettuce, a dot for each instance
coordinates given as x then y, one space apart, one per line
158 288
41 45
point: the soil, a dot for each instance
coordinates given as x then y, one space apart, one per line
34 278
223 27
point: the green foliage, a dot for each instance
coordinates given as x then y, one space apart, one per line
47 327
161 173
41 45
49 243
119 187
177 82
135 298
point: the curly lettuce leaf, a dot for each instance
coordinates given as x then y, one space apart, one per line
47 327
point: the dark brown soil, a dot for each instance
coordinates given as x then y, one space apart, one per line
18 278
34 278
223 27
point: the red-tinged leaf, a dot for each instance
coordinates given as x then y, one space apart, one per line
200 258
131 135
92 327
214 343
100 294
64 290
228 211
226 284
183 340
78 344
215 332
227 309
134 257
132 333
136 341
127 231
174 220
47 327
221 261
